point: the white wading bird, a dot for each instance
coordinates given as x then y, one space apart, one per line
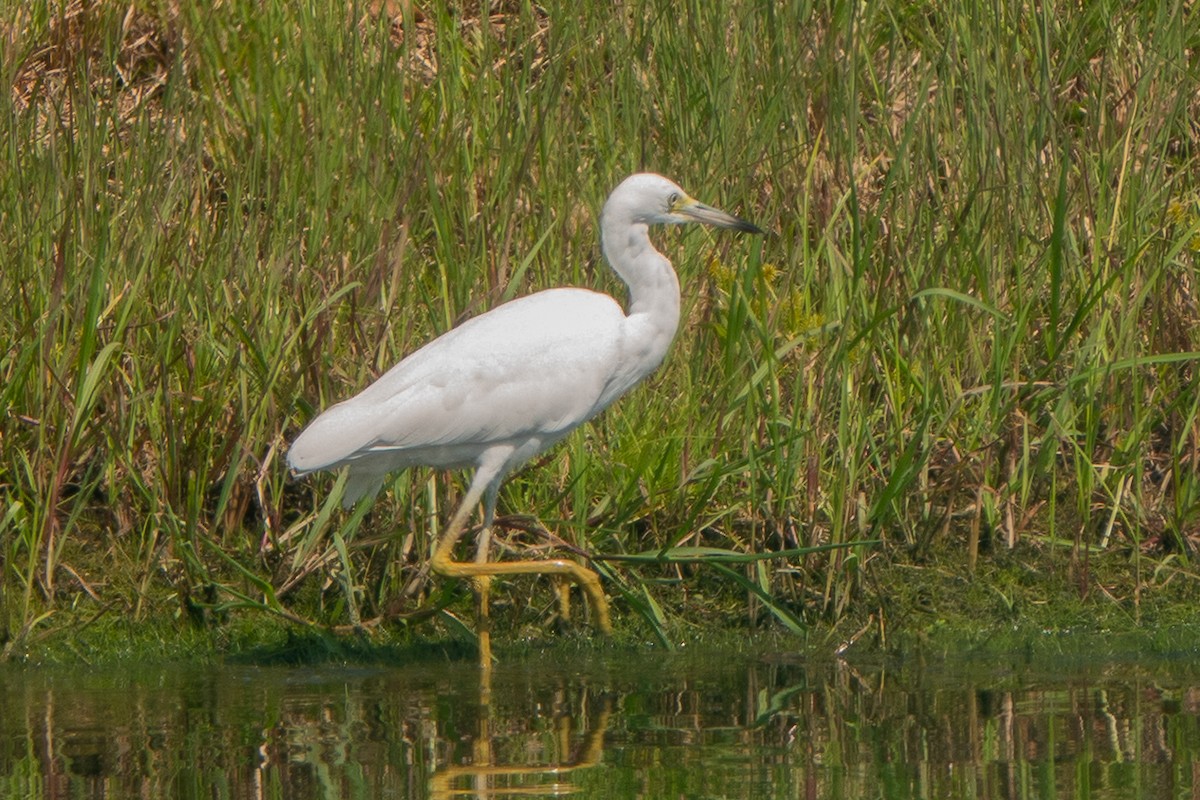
507 385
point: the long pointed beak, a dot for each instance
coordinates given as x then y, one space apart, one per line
698 212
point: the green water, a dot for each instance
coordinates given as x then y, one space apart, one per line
721 725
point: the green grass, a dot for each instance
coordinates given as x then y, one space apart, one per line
973 326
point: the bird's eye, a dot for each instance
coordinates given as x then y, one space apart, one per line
672 200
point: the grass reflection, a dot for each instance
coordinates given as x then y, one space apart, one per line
611 725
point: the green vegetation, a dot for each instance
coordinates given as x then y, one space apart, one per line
958 383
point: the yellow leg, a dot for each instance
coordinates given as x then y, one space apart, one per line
563 590
444 564
587 580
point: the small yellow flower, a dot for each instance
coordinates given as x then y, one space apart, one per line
1185 214
721 275
794 316
1177 212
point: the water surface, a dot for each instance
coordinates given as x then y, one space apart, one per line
645 724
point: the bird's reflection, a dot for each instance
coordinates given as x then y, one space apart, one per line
483 777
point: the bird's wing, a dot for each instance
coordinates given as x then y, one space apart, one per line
537 366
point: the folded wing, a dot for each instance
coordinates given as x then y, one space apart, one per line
533 368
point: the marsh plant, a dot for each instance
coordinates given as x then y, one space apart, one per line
969 342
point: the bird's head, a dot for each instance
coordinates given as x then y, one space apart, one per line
651 199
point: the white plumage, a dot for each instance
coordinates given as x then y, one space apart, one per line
488 382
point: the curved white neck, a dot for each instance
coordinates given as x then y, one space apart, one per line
653 285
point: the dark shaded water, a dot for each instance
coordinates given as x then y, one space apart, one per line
725 725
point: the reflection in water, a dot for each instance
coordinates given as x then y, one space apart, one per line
640 725
486 777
